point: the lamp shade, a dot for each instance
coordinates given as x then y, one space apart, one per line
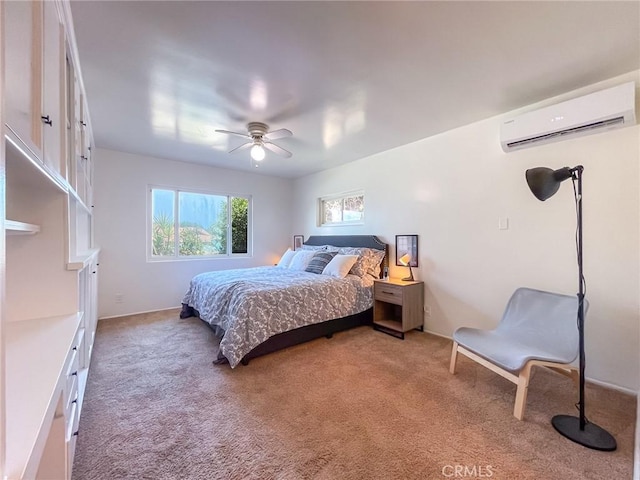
544 182
405 259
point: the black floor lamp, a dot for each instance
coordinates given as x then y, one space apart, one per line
544 183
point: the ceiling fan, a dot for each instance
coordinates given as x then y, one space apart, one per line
260 138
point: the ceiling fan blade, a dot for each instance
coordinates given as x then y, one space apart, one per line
280 133
278 150
244 146
227 132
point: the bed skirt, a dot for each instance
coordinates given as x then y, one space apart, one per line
292 337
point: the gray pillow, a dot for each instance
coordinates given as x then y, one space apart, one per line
319 261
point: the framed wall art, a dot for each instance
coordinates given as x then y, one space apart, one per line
407 250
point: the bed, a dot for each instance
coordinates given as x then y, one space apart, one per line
260 310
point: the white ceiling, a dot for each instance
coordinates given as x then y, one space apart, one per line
350 79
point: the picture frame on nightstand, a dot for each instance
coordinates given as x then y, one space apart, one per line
298 240
407 244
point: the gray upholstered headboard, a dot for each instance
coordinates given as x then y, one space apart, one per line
366 241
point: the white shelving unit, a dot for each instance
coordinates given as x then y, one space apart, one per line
48 263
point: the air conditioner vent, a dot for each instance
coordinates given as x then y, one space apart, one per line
569 131
600 111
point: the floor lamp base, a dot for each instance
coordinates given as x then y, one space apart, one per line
592 436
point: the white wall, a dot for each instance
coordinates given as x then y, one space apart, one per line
120 199
452 188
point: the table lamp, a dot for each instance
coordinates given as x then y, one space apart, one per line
406 261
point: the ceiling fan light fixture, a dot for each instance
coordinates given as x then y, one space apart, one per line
258 138
257 152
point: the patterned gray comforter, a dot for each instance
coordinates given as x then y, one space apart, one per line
253 304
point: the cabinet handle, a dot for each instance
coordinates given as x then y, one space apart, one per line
74 348
75 434
75 373
84 157
82 123
93 271
47 120
388 293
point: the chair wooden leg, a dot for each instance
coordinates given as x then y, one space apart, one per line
454 357
521 392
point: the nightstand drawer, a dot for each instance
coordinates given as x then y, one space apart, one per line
388 293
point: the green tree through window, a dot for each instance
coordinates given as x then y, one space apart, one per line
163 241
197 224
239 215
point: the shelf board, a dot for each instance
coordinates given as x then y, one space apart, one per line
81 261
13 227
390 324
26 169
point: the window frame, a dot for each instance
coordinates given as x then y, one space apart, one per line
340 196
180 258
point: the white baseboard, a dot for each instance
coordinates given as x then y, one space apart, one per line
138 313
438 334
613 386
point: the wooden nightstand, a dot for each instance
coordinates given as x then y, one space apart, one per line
397 306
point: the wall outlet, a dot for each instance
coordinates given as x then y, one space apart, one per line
427 310
119 298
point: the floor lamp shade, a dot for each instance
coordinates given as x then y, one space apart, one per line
544 183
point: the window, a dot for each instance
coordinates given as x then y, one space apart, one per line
345 209
187 224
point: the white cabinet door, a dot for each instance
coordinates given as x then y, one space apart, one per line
33 78
74 125
91 309
87 303
23 70
52 113
83 158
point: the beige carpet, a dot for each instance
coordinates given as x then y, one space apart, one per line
362 405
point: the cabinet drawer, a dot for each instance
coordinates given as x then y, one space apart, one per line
71 393
72 366
72 421
71 380
388 293
78 343
71 450
80 347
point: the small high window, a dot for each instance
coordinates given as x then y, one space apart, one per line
344 209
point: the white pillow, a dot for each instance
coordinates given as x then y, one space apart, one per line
285 260
301 259
340 265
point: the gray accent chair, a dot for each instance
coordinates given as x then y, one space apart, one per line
537 328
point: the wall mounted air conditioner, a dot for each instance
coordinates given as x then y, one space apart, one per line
597 112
